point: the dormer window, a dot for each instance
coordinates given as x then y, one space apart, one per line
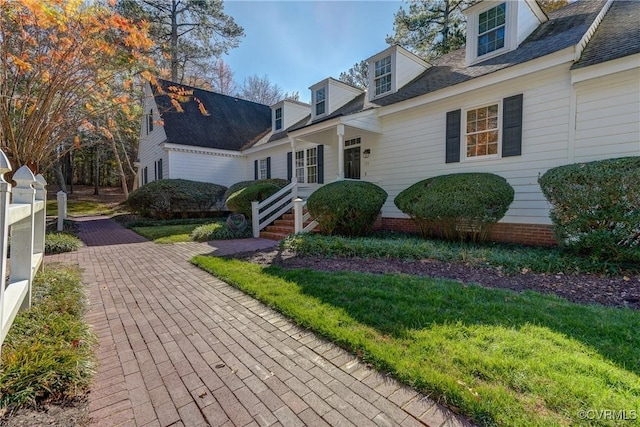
382 77
278 118
320 101
491 29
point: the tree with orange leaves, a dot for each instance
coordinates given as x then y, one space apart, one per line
65 66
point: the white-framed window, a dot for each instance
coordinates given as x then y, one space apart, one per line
150 122
263 167
491 29
278 118
320 100
306 164
482 131
382 75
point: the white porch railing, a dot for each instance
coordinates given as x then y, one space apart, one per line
300 217
265 212
24 215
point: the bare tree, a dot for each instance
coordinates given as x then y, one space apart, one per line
222 78
261 90
551 5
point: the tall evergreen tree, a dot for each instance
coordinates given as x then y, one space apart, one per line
188 33
430 28
357 75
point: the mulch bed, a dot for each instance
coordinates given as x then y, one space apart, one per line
623 291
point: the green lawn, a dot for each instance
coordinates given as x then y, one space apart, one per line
500 357
167 233
79 208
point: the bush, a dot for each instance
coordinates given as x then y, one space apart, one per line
57 243
281 183
596 207
48 354
457 206
346 207
240 201
217 231
166 198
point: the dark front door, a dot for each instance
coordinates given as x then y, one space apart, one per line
352 163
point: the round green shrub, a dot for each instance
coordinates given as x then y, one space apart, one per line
217 231
595 207
240 201
457 206
166 198
234 188
346 208
57 243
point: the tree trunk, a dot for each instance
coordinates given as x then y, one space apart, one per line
123 177
96 178
62 184
174 42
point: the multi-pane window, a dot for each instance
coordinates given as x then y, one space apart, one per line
263 169
350 142
300 166
320 101
306 163
278 118
491 26
312 165
482 131
382 76
150 122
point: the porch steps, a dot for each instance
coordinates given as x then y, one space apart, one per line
280 228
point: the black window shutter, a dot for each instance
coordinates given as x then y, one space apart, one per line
453 136
320 164
268 167
289 165
160 169
512 126
255 169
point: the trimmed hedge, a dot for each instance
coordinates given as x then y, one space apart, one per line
457 206
234 188
166 198
596 207
346 208
240 201
60 242
218 231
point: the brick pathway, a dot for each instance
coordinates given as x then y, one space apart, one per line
179 347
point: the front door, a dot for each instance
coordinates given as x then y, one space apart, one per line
352 163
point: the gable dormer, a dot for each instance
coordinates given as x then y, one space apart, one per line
498 26
286 113
329 95
391 69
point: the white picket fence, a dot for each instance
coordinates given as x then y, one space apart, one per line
22 215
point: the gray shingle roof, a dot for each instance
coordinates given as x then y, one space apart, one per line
617 36
231 123
565 28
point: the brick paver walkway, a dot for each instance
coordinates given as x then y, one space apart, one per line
179 347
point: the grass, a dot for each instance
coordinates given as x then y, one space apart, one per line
508 258
79 208
167 233
48 354
59 242
499 357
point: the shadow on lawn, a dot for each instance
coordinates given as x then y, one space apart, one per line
398 305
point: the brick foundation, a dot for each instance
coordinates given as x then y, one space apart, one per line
527 234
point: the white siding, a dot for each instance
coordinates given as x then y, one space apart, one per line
207 167
278 161
150 150
527 21
412 146
407 67
339 94
608 117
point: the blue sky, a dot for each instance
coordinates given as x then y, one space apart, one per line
299 43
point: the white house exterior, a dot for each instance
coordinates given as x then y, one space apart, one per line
528 92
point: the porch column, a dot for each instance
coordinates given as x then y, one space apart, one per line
294 179
340 129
